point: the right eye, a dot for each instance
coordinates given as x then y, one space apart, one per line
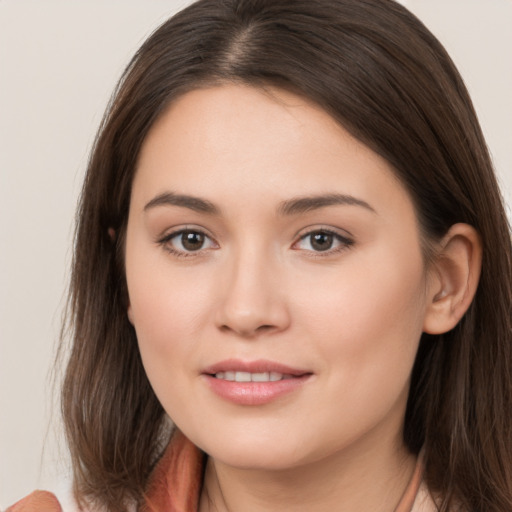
185 242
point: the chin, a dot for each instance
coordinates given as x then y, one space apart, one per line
257 461
250 453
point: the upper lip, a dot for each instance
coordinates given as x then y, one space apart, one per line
258 366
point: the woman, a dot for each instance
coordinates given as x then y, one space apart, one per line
290 242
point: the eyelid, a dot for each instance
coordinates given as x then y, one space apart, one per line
165 239
313 228
345 238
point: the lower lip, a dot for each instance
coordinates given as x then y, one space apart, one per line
254 393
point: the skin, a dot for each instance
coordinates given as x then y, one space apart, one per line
352 316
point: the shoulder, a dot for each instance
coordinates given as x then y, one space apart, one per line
62 500
38 501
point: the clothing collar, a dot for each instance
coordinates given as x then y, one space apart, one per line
176 482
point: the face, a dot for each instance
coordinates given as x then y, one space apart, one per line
276 280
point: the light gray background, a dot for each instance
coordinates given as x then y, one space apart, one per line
59 61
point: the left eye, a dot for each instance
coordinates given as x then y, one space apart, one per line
189 240
322 241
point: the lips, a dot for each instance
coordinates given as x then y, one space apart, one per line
254 382
252 377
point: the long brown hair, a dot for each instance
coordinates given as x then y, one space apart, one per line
376 69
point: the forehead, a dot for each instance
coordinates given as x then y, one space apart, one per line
234 141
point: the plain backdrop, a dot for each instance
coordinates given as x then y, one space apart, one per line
59 61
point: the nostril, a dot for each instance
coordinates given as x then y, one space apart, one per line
264 328
249 318
248 332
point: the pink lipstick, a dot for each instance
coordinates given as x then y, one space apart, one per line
253 382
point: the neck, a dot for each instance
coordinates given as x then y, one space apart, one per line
349 480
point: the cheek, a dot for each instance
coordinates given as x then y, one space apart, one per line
367 322
161 311
368 316
168 309
167 319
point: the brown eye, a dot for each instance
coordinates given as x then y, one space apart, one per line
187 241
321 241
192 240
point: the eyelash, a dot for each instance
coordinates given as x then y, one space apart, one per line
165 242
343 241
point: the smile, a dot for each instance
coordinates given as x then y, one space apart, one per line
252 377
254 382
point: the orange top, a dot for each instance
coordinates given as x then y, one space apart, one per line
175 485
38 501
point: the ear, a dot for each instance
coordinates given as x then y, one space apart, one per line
129 313
453 278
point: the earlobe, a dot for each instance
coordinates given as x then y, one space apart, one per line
453 278
129 313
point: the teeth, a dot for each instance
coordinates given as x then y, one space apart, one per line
260 377
251 377
242 377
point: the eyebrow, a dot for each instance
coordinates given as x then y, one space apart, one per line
191 202
308 203
289 207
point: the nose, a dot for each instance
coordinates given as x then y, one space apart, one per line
252 300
